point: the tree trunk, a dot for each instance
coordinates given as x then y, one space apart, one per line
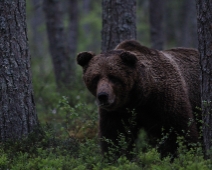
204 20
118 22
188 36
57 43
38 36
194 37
73 32
36 22
86 10
17 108
156 23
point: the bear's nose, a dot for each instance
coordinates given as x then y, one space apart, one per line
102 97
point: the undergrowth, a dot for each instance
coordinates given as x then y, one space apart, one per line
43 150
75 146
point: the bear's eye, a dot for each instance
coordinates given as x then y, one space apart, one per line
95 80
114 79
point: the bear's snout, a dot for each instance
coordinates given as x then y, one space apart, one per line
105 100
104 95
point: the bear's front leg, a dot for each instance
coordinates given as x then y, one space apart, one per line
117 135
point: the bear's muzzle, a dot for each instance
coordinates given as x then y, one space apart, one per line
104 95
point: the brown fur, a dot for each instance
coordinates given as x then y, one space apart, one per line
162 87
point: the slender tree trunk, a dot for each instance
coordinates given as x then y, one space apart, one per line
57 43
185 39
73 31
118 22
38 36
189 24
86 10
194 37
142 8
87 27
204 20
173 22
156 11
36 23
17 108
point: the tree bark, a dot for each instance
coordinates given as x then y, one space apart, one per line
156 11
57 43
118 22
17 108
204 20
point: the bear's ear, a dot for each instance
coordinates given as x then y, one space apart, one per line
84 57
128 58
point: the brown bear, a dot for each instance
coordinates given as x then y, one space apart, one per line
141 88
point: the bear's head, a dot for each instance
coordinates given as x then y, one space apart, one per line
109 76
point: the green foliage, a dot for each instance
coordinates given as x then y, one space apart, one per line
41 150
3 160
79 121
50 148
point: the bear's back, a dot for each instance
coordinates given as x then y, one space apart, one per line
185 60
134 46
